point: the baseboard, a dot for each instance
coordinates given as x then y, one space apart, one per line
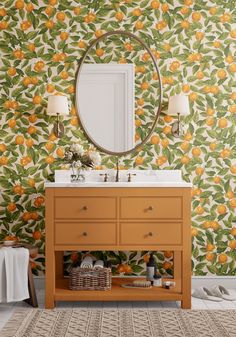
197 281
209 281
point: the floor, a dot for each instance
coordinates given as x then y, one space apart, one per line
6 310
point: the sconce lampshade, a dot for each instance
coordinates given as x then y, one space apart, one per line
178 104
57 105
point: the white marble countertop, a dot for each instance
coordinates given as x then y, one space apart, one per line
120 184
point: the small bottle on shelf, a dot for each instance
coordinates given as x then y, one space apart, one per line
157 280
151 268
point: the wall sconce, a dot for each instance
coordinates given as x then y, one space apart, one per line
58 106
178 105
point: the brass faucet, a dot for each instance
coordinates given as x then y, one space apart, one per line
117 171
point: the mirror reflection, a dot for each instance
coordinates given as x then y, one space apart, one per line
118 93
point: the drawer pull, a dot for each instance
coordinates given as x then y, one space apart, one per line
150 208
85 208
150 234
85 234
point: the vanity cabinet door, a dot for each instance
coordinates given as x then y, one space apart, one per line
93 233
85 208
139 233
151 208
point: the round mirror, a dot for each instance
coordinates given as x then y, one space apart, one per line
118 93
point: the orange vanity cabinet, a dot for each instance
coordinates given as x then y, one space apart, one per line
118 218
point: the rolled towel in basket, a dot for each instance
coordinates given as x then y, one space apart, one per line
99 264
87 262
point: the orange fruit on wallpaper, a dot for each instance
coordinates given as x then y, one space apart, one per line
210 247
19 140
185 88
37 235
168 254
188 2
217 180
155 4
99 52
232 244
222 258
32 118
60 16
18 189
64 36
221 209
3 12
199 35
233 203
229 194
29 142
229 59
31 130
29 7
11 207
194 231
200 210
25 25
3 160
60 152
31 47
77 10
210 256
31 182
165 142
3 147
185 146
11 71
74 121
49 146
3 25
120 269
184 10
137 12
11 123
71 89
166 265
139 160
18 54
196 16
155 139
200 75
233 231
185 160
185 24
139 25
213 10
226 17
19 4
199 171
26 216
222 122
167 130
196 151
49 10
49 159
119 16
165 7
49 24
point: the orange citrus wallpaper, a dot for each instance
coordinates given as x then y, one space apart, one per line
194 44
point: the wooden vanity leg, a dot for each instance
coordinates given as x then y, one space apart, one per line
186 280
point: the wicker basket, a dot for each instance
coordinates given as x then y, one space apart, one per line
90 279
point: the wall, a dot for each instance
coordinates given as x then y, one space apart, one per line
193 43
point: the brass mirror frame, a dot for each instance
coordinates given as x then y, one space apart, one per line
82 60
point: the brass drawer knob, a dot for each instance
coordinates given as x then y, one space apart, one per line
150 234
85 208
85 234
150 208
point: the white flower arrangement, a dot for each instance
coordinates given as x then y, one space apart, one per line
81 159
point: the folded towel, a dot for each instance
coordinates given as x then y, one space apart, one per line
87 262
16 273
99 264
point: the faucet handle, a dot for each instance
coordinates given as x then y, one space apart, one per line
105 176
130 175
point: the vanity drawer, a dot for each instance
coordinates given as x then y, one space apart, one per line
85 208
85 233
134 233
151 208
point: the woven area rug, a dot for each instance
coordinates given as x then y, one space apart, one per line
121 323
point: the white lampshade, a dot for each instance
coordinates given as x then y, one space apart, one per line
178 104
57 105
